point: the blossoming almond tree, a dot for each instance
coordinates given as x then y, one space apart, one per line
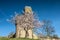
25 21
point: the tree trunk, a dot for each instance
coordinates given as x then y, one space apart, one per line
26 35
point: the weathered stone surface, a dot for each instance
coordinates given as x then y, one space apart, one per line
35 36
28 9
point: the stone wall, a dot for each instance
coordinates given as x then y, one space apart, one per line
48 39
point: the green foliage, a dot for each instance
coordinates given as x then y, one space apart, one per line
3 38
55 36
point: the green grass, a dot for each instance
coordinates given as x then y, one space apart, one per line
3 38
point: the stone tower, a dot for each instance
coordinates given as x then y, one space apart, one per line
24 24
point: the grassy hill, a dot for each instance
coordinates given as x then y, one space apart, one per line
4 38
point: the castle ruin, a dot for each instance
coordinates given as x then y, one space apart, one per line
24 24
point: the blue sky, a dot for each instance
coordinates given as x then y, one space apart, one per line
45 9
